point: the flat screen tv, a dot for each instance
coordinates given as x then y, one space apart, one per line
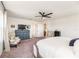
22 27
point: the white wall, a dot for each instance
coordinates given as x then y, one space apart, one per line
16 21
69 26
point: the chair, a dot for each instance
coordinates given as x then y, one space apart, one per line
13 39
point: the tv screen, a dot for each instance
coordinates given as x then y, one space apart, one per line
21 27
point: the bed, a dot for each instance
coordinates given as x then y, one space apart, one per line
56 47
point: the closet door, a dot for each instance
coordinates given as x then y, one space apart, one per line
40 30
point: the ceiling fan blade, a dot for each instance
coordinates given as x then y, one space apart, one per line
40 13
49 14
48 17
37 16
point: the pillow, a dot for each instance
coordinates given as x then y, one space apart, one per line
73 41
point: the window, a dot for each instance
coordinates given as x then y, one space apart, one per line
1 32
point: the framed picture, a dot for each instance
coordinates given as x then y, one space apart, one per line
12 26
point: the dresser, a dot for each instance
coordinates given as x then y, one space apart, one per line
22 34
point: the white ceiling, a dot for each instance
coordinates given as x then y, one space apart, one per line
30 9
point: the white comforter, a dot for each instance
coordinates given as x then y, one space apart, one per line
56 47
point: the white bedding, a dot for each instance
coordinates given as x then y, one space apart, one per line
55 47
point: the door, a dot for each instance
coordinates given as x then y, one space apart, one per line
39 30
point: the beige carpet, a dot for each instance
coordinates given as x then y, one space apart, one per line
23 50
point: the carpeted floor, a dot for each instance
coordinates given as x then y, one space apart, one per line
23 50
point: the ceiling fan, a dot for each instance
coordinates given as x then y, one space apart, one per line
43 14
